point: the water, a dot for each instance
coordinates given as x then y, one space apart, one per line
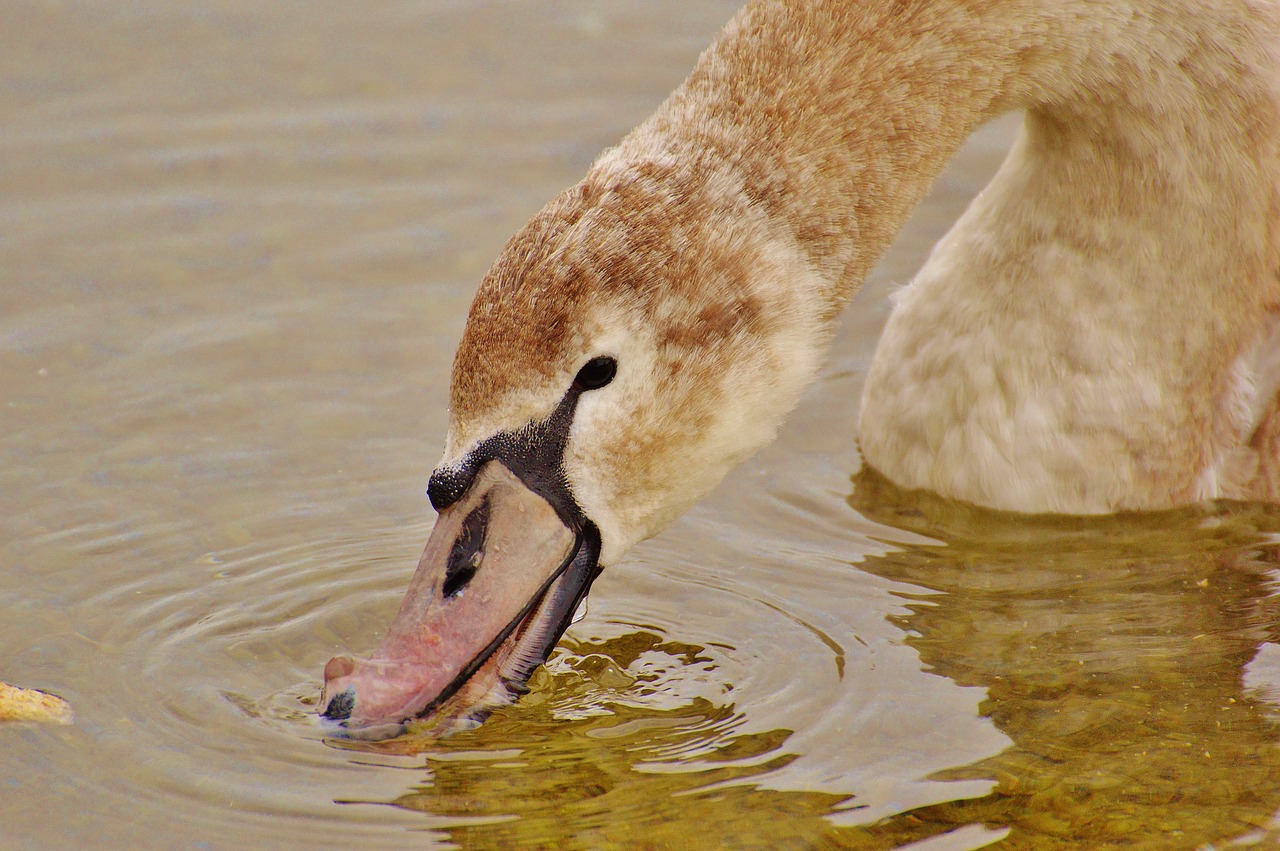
238 243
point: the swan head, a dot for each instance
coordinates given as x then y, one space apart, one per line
640 337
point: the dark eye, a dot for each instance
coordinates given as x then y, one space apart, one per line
596 372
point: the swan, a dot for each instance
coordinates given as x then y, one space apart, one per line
1097 333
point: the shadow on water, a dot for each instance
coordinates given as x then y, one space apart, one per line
1132 662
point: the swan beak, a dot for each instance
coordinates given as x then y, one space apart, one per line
498 583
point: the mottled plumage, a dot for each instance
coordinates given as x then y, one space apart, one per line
1082 341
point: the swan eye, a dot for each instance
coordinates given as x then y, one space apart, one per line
595 373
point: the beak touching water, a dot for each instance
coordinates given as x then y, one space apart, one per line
498 583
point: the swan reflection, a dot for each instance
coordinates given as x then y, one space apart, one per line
1126 659
1128 664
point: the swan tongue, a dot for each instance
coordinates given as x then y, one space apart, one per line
486 569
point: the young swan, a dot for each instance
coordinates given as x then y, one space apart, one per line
1095 334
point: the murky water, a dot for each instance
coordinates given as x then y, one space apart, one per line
237 243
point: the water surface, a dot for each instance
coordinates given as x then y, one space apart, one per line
238 241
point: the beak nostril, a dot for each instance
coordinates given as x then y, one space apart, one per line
467 553
339 709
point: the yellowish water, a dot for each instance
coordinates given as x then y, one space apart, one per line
237 242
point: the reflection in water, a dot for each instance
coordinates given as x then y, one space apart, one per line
611 749
1125 659
1114 653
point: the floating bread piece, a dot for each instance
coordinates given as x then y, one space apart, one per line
28 704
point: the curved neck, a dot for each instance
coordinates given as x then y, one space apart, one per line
837 117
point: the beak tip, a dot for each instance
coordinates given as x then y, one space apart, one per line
340 705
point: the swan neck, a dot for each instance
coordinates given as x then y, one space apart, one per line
836 118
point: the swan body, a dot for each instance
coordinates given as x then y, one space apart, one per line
1097 333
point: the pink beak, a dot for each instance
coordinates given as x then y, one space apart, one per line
499 570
